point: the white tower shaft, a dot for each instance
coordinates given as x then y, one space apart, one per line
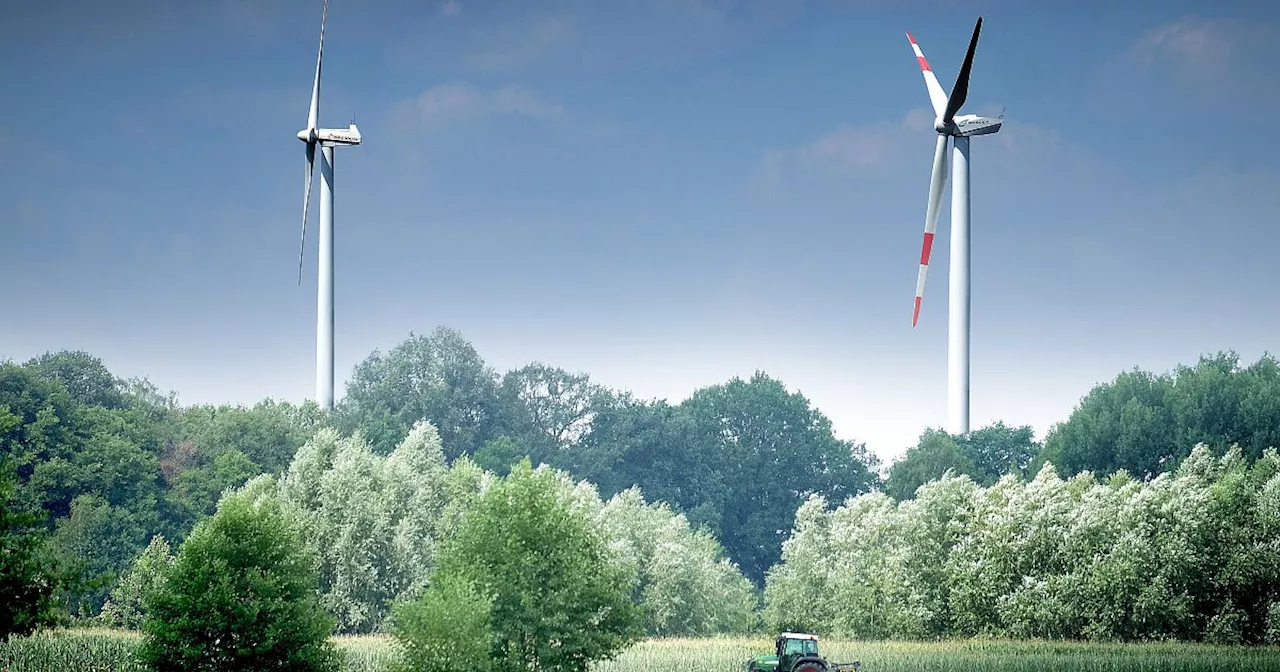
324 293
958 309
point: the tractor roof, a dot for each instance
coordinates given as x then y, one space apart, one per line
798 635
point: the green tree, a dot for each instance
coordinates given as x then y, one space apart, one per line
560 602
44 440
90 468
1126 424
1147 424
761 451
370 519
934 455
983 454
196 485
685 584
268 433
443 630
99 540
738 459
647 444
30 578
440 378
124 607
84 376
497 455
999 449
1191 554
240 595
218 447
547 409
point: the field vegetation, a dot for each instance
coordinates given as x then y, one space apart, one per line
113 650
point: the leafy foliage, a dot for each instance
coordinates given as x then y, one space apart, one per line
547 409
738 458
29 576
114 462
240 595
1191 554
559 601
439 378
985 455
106 464
1147 423
684 582
84 377
445 629
376 524
371 520
124 608
711 456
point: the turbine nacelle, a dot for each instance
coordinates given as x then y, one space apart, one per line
968 125
346 137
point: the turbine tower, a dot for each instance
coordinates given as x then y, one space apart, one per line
956 129
327 139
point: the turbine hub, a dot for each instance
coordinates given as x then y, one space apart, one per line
941 127
308 135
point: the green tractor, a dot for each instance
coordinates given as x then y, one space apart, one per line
797 652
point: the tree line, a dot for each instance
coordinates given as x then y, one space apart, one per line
109 465
522 581
1191 554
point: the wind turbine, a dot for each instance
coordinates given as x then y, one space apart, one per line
956 129
327 139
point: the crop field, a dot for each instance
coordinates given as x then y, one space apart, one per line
111 651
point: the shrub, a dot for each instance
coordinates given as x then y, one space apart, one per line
445 629
560 601
240 595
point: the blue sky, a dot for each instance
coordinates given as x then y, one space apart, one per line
662 194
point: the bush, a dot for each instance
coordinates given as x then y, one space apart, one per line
560 601
240 595
1272 634
445 629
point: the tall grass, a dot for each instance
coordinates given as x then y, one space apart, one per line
112 651
731 654
72 651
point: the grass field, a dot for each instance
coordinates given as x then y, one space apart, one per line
110 651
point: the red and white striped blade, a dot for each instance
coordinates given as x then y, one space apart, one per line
937 182
936 95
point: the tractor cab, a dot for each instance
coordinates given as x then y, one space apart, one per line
797 652
794 645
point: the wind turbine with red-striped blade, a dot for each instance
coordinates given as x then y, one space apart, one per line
956 130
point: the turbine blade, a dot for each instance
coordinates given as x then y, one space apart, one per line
936 96
961 90
313 116
306 202
937 182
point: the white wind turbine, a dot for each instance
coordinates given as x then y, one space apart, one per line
327 138
961 128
